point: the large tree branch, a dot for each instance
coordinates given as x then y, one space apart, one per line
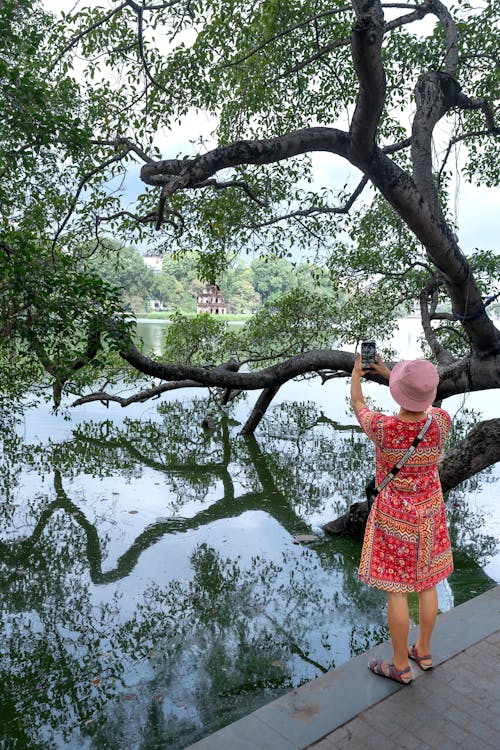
415 200
178 174
474 103
435 94
104 397
477 451
366 48
442 355
227 376
146 394
451 35
261 406
442 250
471 373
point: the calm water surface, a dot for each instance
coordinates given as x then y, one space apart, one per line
152 590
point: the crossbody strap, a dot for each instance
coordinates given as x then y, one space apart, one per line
411 450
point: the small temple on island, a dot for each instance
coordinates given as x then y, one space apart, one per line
211 300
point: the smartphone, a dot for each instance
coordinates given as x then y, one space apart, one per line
368 354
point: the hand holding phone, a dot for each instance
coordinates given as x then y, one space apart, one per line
368 354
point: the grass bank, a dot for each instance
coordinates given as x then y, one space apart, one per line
166 315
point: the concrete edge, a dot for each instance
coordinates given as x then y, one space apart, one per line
306 715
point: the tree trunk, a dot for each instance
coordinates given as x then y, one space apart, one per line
258 411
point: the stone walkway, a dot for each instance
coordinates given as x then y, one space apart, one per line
455 705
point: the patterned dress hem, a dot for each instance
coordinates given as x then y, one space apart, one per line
407 588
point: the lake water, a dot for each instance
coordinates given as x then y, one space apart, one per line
152 589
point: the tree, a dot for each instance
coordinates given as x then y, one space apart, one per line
287 80
239 291
178 282
272 276
124 268
53 311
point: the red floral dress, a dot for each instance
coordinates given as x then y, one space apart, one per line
406 545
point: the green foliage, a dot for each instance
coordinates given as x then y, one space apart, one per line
245 287
124 268
263 69
51 310
54 315
81 101
272 276
239 291
203 340
287 325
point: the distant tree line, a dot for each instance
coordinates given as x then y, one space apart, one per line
246 286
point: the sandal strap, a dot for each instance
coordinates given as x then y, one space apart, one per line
416 657
385 668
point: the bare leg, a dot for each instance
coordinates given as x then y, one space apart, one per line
428 609
399 624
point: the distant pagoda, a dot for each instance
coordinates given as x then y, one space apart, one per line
211 300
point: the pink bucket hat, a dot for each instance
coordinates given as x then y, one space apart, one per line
413 384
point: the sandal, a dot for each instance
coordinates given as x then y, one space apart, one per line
412 654
384 668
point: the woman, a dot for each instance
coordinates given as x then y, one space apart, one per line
406 545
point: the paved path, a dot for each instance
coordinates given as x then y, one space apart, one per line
455 705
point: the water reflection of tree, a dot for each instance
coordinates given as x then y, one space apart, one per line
195 654
299 466
211 648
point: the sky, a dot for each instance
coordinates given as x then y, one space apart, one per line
476 208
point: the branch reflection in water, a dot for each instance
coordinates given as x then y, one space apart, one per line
151 588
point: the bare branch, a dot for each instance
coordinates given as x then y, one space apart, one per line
471 103
86 177
323 52
430 292
232 184
286 31
453 142
74 41
149 393
123 141
140 36
451 34
442 316
140 397
144 219
395 147
420 11
316 209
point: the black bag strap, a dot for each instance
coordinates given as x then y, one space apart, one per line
396 468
